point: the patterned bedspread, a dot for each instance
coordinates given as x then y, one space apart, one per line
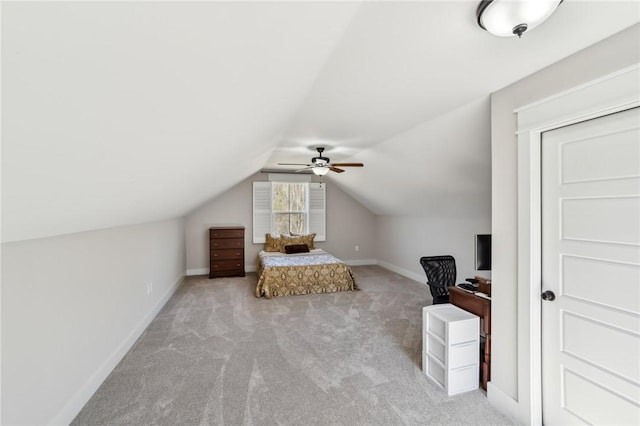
282 274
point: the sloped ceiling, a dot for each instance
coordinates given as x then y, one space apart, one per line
119 113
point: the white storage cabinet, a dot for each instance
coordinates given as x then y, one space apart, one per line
450 347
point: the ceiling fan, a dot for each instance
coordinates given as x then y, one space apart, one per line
321 165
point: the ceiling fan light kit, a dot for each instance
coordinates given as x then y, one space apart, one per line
320 165
320 170
508 18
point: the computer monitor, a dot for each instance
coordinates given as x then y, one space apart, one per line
483 252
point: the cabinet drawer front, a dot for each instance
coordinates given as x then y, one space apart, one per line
227 265
464 331
225 254
463 380
227 243
226 233
464 355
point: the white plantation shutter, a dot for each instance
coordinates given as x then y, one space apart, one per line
261 210
317 211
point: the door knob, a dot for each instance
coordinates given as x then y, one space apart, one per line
548 296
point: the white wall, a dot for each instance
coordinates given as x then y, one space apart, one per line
348 224
72 306
454 191
612 54
403 240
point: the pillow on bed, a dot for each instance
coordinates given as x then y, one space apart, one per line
308 240
299 239
296 248
272 243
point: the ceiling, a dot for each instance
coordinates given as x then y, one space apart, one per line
117 113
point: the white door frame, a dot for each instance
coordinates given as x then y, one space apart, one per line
612 93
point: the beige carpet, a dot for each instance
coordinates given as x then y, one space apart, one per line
216 354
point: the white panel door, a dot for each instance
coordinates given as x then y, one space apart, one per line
591 262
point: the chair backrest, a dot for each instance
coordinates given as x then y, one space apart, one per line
441 273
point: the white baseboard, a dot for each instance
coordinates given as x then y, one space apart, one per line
504 403
205 271
71 409
361 262
404 272
197 271
254 268
354 262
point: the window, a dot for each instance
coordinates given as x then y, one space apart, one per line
288 207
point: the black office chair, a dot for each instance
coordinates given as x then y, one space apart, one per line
441 274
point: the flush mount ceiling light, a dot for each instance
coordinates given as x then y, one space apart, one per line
506 18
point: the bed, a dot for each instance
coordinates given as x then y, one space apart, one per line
316 271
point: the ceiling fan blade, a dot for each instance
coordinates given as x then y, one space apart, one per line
348 164
306 168
294 164
335 169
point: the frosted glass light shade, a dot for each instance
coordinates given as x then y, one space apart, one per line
508 18
320 171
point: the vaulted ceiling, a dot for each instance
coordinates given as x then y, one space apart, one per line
117 113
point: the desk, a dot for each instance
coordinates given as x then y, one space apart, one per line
481 307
